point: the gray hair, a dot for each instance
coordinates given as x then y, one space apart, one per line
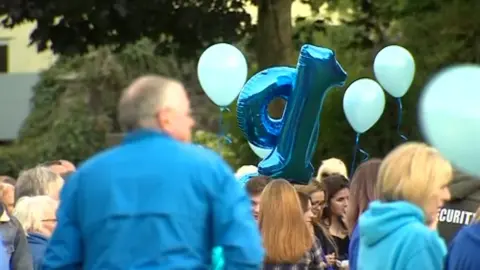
37 181
141 101
30 211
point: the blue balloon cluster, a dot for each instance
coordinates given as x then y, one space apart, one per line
293 138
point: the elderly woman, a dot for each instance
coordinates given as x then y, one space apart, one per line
397 231
38 181
37 216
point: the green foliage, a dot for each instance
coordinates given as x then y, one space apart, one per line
74 104
70 118
229 151
76 27
438 33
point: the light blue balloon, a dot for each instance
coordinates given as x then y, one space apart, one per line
449 115
394 69
260 152
222 72
363 104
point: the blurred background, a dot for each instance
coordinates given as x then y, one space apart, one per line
63 65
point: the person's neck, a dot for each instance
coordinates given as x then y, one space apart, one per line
336 227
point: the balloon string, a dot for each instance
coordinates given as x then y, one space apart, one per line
399 123
357 149
222 134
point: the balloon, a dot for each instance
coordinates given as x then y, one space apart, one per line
394 69
293 137
449 115
222 71
363 104
260 152
252 105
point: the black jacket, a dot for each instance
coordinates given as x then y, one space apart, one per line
460 210
14 241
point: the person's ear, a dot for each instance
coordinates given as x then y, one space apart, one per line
164 118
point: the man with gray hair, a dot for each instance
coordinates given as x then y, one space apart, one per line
156 201
38 181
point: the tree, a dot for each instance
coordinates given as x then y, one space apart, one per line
74 106
73 27
438 33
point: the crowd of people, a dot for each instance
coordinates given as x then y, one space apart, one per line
157 201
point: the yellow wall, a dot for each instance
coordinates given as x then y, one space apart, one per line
21 57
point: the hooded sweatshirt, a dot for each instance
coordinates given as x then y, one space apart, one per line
38 244
393 236
463 251
460 210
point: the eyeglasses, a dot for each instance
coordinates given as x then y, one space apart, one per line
49 220
319 204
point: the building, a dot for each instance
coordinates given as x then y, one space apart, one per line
20 65
15 54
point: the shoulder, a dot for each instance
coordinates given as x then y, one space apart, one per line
16 224
420 240
159 150
464 236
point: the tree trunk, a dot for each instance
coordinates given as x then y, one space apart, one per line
274 40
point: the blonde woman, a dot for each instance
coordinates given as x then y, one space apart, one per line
287 239
395 233
331 166
37 216
464 249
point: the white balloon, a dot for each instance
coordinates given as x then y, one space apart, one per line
222 71
260 152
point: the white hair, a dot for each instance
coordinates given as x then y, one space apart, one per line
244 170
332 166
30 211
37 181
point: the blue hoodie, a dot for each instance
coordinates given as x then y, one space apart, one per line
153 203
38 245
393 236
463 251
353 249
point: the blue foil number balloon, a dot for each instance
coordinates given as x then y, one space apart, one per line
293 138
259 128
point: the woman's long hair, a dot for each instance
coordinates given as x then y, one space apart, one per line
286 237
362 190
333 184
304 199
318 226
312 187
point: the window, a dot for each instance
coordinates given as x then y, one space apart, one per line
3 56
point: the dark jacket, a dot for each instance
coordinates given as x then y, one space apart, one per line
15 242
38 245
460 210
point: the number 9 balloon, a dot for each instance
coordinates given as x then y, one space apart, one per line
292 138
